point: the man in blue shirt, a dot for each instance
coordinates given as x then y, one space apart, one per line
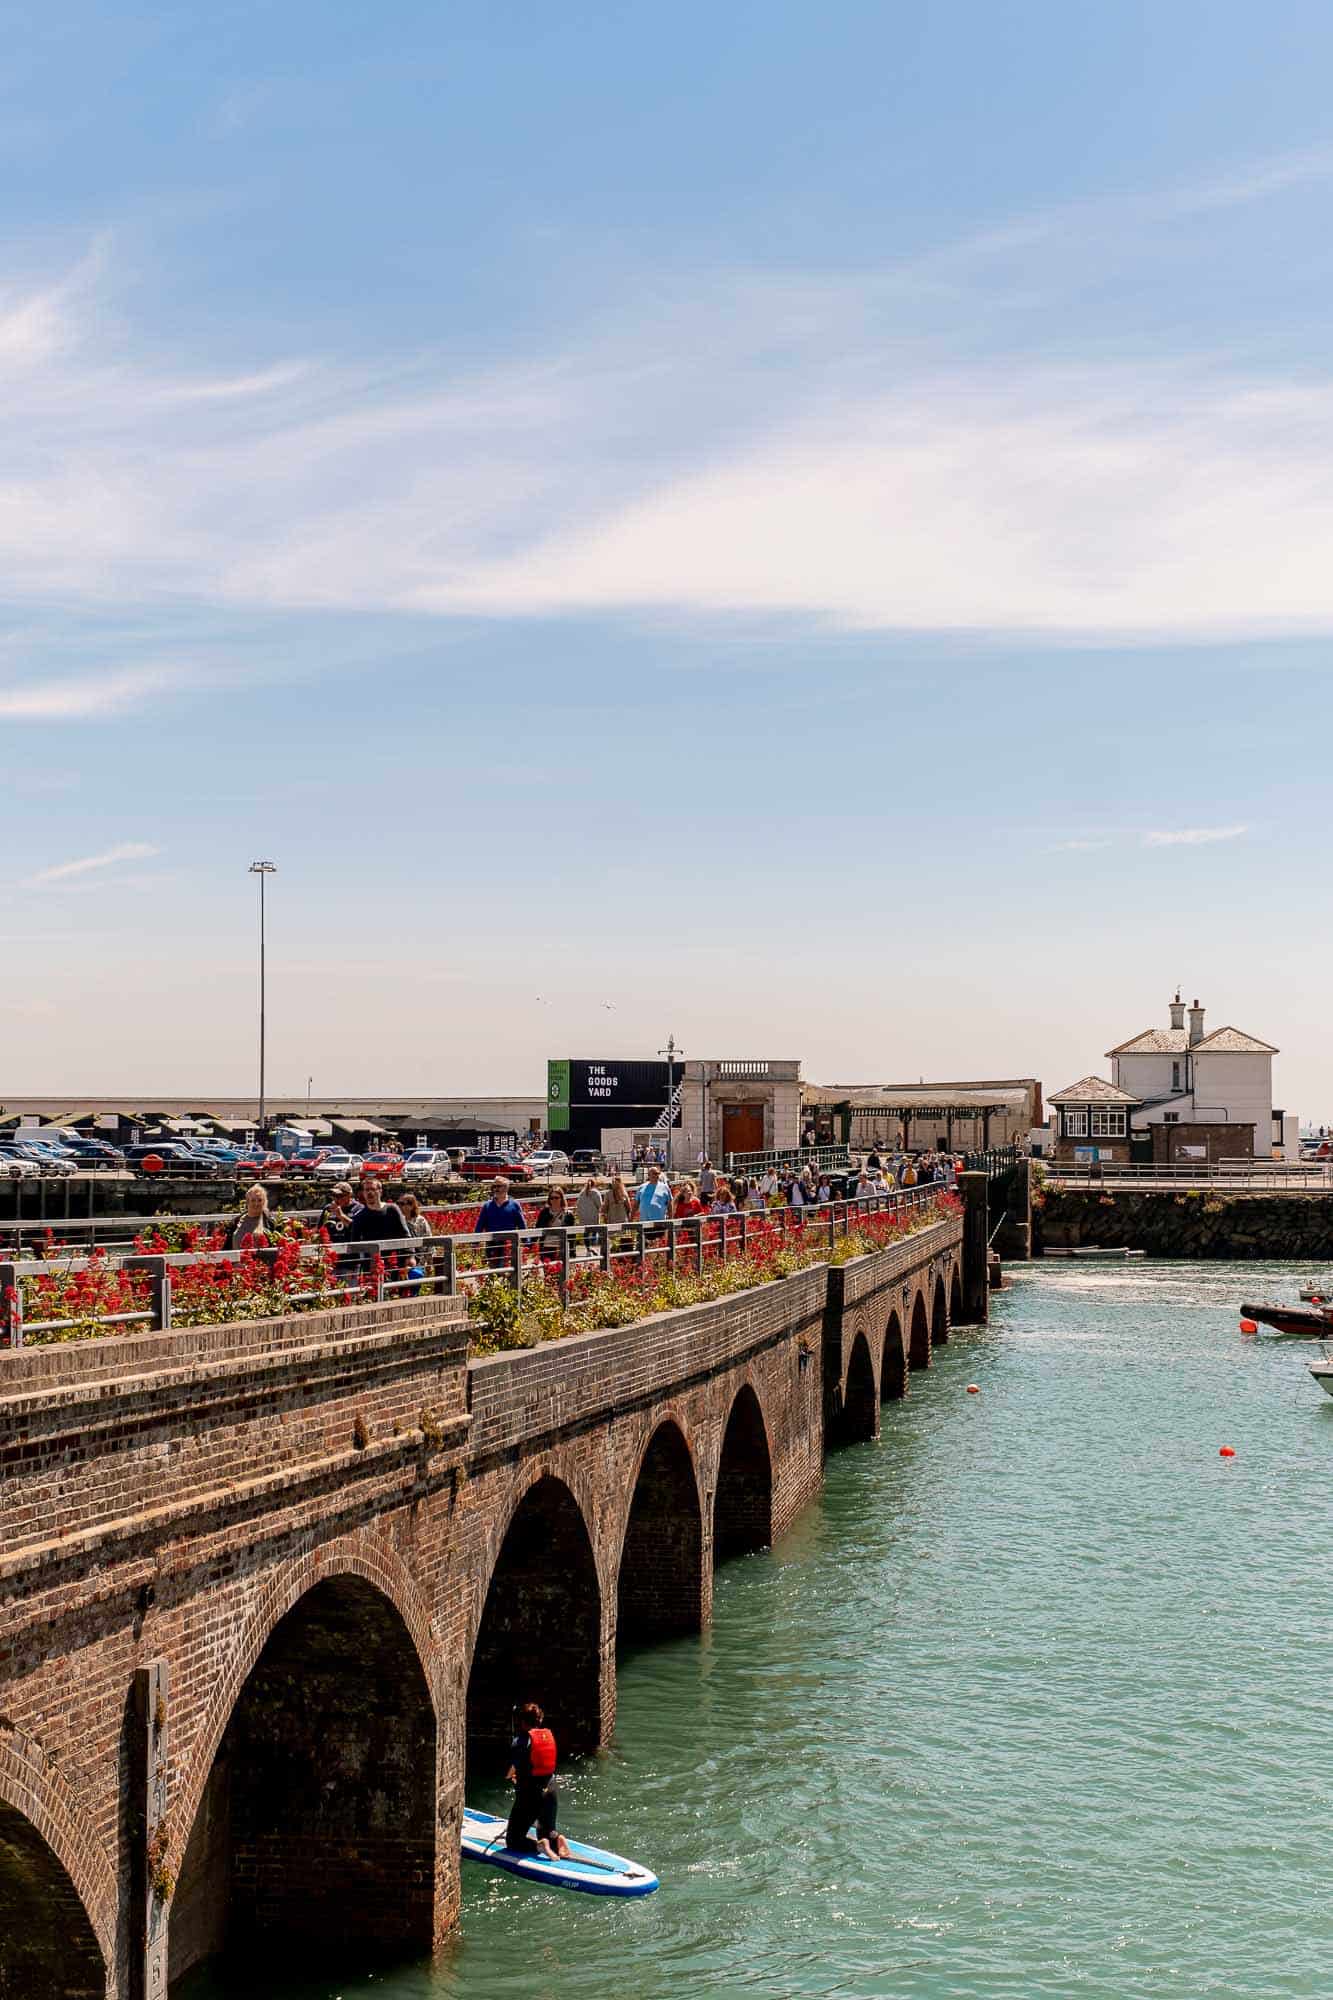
655 1197
499 1216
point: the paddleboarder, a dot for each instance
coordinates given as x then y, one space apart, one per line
532 1759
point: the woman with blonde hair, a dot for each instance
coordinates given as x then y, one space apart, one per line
252 1229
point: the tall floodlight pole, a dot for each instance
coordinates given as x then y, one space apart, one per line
261 869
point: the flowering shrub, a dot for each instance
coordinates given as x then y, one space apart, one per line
777 1246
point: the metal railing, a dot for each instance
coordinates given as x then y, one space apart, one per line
451 1265
995 1161
1312 1174
794 1159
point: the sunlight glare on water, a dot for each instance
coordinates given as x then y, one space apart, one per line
1031 1701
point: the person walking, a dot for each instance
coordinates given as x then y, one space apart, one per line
336 1221
252 1229
588 1209
707 1181
687 1202
616 1207
722 1202
377 1220
554 1219
654 1196
500 1216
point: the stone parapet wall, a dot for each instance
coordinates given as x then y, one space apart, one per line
1201 1223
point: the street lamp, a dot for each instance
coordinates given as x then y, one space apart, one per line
261 869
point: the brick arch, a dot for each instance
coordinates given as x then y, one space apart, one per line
281 1594
537 1631
939 1314
660 1578
317 1815
40 1812
893 1363
918 1337
856 1418
743 1492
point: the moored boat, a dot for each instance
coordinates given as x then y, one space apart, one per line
1293 1322
1323 1375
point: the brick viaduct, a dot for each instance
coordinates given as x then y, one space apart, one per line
270 1589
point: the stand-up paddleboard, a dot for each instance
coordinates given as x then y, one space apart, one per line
590 1869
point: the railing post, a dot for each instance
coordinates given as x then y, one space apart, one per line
160 1282
564 1265
745 1232
516 1261
604 1247
832 1226
11 1307
641 1233
671 1246
698 1244
450 1271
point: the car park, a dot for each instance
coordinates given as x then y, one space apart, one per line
49 1158
164 1157
94 1154
16 1166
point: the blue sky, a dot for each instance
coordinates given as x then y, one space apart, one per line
805 527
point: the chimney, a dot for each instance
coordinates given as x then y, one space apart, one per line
1177 1011
1196 1024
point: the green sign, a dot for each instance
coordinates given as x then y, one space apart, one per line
557 1096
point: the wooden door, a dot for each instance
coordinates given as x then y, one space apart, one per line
742 1128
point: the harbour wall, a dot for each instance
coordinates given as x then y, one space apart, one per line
271 1590
1187 1222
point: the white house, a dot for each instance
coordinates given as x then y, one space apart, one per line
1193 1095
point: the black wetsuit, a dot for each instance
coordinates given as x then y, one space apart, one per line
535 1799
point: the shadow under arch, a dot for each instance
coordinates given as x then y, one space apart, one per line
893 1368
857 1418
743 1502
539 1638
939 1317
47 1942
955 1298
316 1826
918 1345
659 1588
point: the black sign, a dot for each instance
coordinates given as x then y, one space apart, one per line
636 1086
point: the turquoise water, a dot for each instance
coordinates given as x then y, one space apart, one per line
1032 1701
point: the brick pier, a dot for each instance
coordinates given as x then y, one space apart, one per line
271 1590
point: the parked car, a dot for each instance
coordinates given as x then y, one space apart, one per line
587 1160
387 1166
307 1162
89 1152
164 1156
335 1163
49 1158
258 1163
547 1162
480 1166
427 1163
15 1166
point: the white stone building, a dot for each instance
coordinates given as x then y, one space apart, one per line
1182 1075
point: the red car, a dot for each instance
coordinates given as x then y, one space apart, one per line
261 1163
484 1166
384 1166
305 1163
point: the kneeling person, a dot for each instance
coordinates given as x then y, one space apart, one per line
532 1774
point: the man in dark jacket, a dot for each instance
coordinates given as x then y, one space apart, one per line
500 1216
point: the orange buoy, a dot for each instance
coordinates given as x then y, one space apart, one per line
973 1389
1249 1326
1226 1451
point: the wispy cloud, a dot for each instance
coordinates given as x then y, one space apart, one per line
64 871
775 447
1193 836
86 697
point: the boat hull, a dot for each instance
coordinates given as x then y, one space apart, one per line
1293 1322
1323 1375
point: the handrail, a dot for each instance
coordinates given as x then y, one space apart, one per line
441 1264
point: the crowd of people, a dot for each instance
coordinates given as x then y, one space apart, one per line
363 1216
